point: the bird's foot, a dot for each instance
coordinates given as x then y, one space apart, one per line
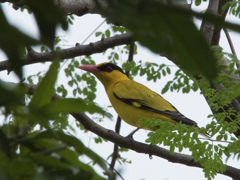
130 136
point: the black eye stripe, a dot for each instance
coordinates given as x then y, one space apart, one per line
113 66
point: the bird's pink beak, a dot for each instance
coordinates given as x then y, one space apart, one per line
90 68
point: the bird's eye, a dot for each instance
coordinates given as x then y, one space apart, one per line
108 69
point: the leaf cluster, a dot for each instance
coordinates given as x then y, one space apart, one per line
154 23
51 153
179 136
46 155
234 8
46 15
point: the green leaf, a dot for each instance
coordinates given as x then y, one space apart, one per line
219 137
77 144
73 157
4 165
44 92
98 34
116 56
47 14
76 64
197 2
164 72
168 70
73 175
12 94
107 33
22 167
4 144
70 21
172 147
165 89
154 23
19 41
74 92
70 83
49 161
43 48
70 106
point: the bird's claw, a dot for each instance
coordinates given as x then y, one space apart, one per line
130 137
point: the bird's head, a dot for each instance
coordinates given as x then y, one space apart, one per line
107 73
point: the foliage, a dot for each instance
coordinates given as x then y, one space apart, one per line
164 22
34 142
198 2
49 153
208 154
207 151
234 8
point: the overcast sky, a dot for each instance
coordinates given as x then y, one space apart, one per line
192 105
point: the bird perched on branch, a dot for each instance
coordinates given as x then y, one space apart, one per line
133 101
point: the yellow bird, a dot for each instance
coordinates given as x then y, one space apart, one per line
133 101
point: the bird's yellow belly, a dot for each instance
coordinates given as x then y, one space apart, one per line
132 115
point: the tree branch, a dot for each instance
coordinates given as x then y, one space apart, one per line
83 7
137 146
217 30
206 27
231 44
79 50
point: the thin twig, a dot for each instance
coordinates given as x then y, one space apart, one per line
93 31
130 55
115 154
231 44
116 171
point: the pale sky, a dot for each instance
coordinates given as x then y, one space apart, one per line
192 105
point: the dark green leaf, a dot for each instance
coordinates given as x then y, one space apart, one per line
13 40
44 92
70 106
22 167
12 94
50 161
70 21
4 144
73 157
48 16
164 72
153 23
168 70
4 166
43 48
77 144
